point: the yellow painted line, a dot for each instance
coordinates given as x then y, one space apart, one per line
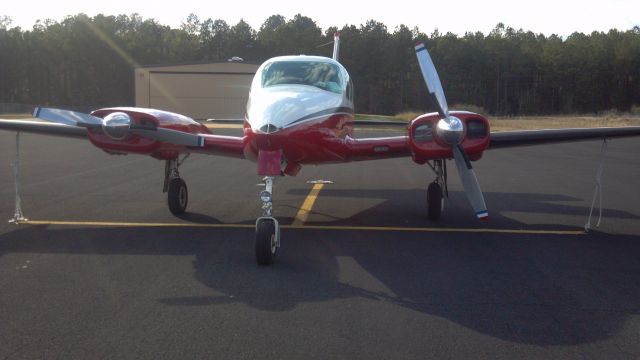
136 224
307 205
224 126
435 229
311 227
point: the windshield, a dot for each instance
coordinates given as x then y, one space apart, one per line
319 74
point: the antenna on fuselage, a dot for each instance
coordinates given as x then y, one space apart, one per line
336 45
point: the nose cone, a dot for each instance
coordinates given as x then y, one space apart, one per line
279 107
116 125
450 130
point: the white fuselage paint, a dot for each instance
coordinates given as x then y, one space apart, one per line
277 107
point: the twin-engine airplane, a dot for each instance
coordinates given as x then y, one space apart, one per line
300 111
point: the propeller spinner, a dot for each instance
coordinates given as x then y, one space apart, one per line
450 130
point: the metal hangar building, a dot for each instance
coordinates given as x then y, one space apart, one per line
201 91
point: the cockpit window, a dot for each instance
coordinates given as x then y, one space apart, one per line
319 74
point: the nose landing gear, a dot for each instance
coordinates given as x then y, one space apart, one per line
267 227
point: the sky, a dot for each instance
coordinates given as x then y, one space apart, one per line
457 16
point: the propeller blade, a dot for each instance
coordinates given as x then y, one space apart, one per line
432 79
67 117
470 183
451 131
171 136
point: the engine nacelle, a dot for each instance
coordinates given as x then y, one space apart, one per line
116 135
426 144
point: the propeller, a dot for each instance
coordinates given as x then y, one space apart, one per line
117 125
67 117
450 130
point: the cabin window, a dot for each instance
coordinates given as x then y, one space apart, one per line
350 90
323 75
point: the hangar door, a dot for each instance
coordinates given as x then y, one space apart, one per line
200 95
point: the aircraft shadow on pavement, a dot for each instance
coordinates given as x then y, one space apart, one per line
534 289
198 218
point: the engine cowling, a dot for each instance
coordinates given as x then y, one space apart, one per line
428 144
115 135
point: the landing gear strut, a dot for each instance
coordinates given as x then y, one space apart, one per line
178 195
267 227
435 198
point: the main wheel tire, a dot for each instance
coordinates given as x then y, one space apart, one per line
435 201
178 196
266 246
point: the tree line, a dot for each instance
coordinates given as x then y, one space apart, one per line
89 61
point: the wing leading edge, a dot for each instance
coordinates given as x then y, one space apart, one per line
507 139
400 146
40 127
231 146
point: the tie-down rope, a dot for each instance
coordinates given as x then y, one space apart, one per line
597 190
17 215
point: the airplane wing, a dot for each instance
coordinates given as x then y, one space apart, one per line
377 148
41 127
400 146
232 146
146 131
507 139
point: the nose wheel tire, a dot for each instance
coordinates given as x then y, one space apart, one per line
178 196
266 242
435 201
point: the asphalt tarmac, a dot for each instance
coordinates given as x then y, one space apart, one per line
366 275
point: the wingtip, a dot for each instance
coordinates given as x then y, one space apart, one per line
482 215
36 112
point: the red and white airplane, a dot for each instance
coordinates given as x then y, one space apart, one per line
300 111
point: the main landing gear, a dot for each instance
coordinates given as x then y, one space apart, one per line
435 198
267 227
178 195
